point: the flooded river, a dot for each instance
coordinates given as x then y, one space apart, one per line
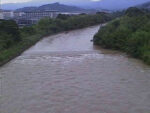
65 73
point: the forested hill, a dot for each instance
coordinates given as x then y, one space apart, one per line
145 6
130 33
54 6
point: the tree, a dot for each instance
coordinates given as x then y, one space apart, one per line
11 28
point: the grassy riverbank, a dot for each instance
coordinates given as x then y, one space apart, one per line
130 33
15 40
15 50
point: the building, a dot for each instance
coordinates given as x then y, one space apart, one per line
70 13
7 14
25 22
40 14
29 18
1 14
18 14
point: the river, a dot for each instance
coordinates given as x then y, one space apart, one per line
65 73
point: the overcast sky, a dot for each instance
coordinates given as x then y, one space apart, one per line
106 4
20 1
13 1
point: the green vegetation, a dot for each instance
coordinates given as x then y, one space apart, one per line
14 40
130 33
65 23
9 34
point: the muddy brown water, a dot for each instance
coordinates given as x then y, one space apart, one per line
65 73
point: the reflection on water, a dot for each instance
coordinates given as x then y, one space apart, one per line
65 73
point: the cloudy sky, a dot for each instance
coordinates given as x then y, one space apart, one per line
14 1
20 1
106 4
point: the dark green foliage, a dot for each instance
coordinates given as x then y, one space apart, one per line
28 30
118 13
130 33
63 16
9 33
133 11
10 27
65 23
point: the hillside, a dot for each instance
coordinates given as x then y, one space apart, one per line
130 33
54 6
27 9
145 5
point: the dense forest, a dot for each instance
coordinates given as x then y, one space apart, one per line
130 33
14 40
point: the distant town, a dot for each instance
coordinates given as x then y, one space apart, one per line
29 18
31 15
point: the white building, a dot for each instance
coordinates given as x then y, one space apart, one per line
37 15
7 14
29 18
1 14
68 13
18 14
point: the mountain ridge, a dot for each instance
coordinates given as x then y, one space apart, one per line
86 4
145 5
55 6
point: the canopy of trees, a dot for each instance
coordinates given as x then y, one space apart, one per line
130 33
65 23
9 33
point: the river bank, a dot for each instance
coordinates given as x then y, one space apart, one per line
16 50
129 34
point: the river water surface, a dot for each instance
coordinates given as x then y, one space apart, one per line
65 73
